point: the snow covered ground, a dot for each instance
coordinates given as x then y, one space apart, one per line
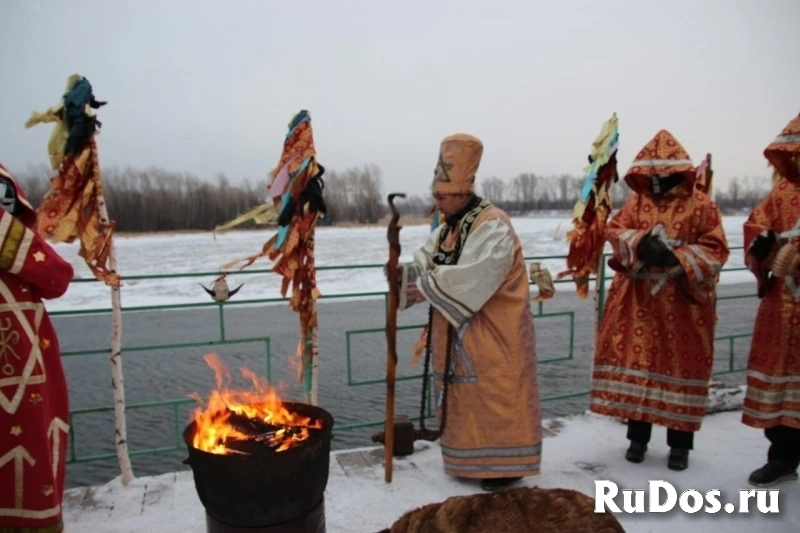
580 451
201 253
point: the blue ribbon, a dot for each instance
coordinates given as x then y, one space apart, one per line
594 168
283 231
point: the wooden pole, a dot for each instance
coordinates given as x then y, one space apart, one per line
599 286
393 235
117 382
309 352
314 361
311 330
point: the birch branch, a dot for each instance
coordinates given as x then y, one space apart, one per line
117 382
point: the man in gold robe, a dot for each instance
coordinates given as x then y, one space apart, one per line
473 275
772 233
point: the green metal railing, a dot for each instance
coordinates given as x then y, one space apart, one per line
223 339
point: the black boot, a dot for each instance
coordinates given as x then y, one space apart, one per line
635 453
678 459
498 483
773 473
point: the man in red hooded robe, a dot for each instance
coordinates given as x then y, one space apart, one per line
34 408
655 347
772 402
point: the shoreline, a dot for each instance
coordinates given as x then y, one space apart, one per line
405 221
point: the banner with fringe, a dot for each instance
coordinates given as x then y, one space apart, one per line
587 239
295 203
70 210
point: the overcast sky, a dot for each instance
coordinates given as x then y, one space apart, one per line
207 86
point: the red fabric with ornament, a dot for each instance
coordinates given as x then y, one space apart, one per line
655 346
34 406
773 367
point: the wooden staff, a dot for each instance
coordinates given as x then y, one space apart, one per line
393 235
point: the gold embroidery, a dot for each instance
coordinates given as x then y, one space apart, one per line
57 426
36 398
29 326
19 455
47 490
11 245
39 257
8 336
44 343
16 430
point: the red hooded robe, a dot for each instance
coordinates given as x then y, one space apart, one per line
655 347
773 368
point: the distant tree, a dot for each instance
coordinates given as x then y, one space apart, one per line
493 189
524 188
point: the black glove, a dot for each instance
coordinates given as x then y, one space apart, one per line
763 245
654 252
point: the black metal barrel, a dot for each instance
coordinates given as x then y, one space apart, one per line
264 489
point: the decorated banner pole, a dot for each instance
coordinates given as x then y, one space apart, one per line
117 381
295 203
587 239
704 176
309 356
703 183
75 209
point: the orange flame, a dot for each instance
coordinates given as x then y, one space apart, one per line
214 429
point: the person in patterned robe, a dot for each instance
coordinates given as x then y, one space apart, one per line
34 407
472 273
772 402
655 345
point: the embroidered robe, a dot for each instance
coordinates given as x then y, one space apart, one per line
34 407
493 416
773 367
655 344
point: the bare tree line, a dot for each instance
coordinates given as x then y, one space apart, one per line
743 193
354 195
154 199
528 192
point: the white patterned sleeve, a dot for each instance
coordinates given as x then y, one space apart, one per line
459 291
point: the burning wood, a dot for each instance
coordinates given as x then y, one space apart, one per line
248 421
260 433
